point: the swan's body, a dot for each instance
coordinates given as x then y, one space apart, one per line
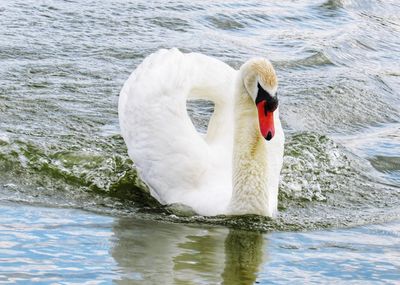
233 169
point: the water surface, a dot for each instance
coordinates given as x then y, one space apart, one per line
62 66
67 246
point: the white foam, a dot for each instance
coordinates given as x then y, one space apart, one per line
4 138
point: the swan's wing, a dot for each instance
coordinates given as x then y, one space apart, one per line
161 139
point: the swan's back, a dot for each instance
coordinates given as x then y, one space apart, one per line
178 164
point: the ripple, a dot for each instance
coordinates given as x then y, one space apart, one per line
316 176
386 163
316 60
225 22
175 24
63 66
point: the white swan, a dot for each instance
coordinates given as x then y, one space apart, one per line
233 170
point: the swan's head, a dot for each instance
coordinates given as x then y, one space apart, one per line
261 84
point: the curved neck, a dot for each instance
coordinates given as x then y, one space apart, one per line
221 119
249 194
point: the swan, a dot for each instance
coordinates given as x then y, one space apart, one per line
231 170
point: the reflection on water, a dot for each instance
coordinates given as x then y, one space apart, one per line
183 254
43 245
63 65
67 246
243 257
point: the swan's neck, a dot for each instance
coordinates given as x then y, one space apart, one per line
250 192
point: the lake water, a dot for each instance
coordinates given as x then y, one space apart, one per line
72 209
69 246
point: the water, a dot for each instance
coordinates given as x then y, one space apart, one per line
62 66
68 246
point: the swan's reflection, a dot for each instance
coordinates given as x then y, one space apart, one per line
161 253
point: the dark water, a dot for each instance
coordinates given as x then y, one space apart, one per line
62 64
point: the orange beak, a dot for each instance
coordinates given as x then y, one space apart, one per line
266 119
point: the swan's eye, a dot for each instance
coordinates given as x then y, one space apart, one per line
271 101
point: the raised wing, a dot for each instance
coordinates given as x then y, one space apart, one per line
170 155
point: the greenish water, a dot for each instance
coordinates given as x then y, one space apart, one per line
62 64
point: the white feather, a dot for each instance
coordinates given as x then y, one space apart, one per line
178 164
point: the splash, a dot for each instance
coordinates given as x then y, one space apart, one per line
322 185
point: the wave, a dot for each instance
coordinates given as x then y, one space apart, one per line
322 185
